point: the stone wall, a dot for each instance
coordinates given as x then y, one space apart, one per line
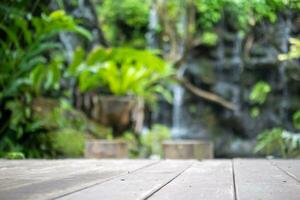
230 68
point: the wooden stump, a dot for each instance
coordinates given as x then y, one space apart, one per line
188 149
105 149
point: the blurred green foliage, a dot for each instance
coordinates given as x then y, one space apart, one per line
67 143
67 130
58 114
122 71
259 92
24 48
210 10
124 20
259 95
15 155
148 143
53 122
133 144
244 13
279 142
296 119
294 51
63 129
209 38
32 65
32 68
152 140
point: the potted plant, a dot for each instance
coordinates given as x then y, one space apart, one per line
126 78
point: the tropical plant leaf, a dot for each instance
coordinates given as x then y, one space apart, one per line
78 58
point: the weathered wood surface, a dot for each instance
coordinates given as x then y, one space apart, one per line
260 179
238 179
292 169
209 180
49 179
139 185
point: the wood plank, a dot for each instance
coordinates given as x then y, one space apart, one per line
259 179
210 180
291 167
138 185
20 173
63 177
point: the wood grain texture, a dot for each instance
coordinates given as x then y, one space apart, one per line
50 179
138 185
260 180
211 180
291 167
238 179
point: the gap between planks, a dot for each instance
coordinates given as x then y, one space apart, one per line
106 180
233 180
274 163
140 185
155 191
261 179
211 180
45 187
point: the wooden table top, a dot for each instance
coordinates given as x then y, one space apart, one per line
85 179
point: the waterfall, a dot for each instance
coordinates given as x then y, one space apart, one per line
284 27
69 41
153 24
228 58
182 25
152 43
178 128
236 58
181 122
220 52
237 69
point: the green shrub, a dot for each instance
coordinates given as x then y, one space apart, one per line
125 21
149 143
133 144
294 51
58 114
259 92
29 67
67 142
53 114
296 119
152 140
278 142
122 71
15 155
209 38
258 96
